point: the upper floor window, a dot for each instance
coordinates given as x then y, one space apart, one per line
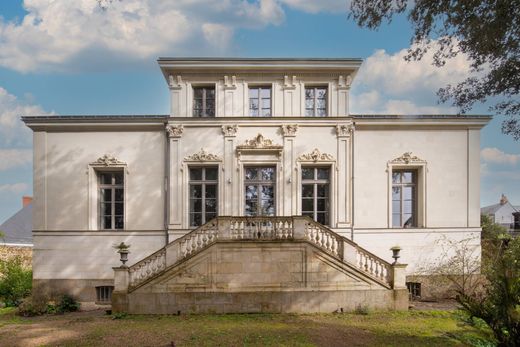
404 198
203 194
111 202
316 101
204 102
315 193
260 101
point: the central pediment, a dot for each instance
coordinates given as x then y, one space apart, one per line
259 145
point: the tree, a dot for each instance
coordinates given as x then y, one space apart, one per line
486 31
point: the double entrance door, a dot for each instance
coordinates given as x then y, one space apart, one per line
260 190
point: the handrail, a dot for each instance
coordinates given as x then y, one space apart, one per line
260 228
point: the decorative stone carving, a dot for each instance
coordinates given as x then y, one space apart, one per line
289 83
259 142
202 155
107 160
289 129
407 158
344 129
230 130
315 156
344 82
230 83
175 130
175 83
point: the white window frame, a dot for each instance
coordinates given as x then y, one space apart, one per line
271 98
203 86
327 100
315 183
203 182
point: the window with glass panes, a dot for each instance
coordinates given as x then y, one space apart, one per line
260 101
111 200
204 102
260 183
404 198
316 101
315 193
203 194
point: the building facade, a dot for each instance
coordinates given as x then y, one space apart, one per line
248 137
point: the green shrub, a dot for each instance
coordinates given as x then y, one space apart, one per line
31 306
67 303
362 310
15 281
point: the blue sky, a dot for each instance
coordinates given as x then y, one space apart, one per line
72 57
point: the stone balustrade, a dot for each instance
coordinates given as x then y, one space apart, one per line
262 228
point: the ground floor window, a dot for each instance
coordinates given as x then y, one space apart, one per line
104 294
315 193
260 185
203 194
414 289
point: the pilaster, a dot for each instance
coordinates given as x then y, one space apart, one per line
174 133
344 201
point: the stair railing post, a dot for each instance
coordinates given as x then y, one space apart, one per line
121 279
224 228
299 224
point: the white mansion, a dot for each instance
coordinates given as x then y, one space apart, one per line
210 198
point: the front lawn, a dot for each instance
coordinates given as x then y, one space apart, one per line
413 328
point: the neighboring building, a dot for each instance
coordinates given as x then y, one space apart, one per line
266 139
503 213
17 229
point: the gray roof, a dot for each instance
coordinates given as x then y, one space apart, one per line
491 209
18 228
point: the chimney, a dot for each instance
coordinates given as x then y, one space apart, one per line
503 200
26 200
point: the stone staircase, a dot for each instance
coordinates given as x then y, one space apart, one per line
348 267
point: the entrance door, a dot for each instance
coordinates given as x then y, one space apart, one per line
260 185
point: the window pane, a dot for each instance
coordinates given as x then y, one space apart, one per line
396 193
119 195
323 190
251 192
211 174
210 216
119 210
268 207
309 93
107 222
309 214
266 112
322 205
211 191
198 92
251 208
196 191
195 219
321 103
210 93
118 177
106 194
265 93
268 173
195 205
106 209
253 93
251 173
309 104
396 220
307 173
322 218
396 206
307 190
266 103
119 222
407 193
323 174
267 192
210 108
196 174
322 112
408 220
106 178
253 104
407 177
211 205
309 112
396 177
307 205
321 93
408 206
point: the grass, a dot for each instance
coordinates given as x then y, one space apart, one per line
413 328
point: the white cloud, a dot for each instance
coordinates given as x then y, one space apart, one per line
386 83
494 155
62 34
12 129
14 188
13 158
313 6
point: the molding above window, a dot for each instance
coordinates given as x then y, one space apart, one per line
259 144
201 156
316 156
107 160
407 158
